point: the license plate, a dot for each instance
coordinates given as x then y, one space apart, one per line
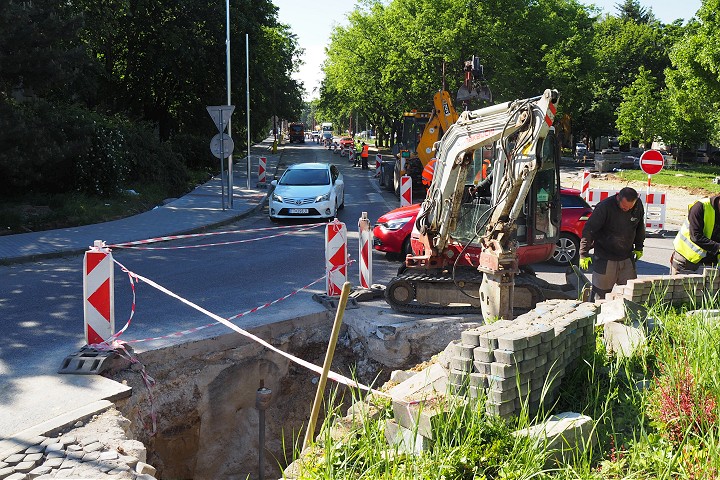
299 210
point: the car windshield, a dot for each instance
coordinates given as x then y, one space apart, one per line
296 128
299 176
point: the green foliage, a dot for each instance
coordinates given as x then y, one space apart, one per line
640 115
655 417
697 176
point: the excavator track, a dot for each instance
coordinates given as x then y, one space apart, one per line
402 292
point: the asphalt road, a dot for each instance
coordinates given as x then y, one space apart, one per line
41 302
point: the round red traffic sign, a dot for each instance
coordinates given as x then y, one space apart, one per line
651 162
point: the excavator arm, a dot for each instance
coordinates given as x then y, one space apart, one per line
517 129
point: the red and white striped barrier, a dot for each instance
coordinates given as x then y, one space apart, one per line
98 294
366 241
585 184
262 169
336 255
405 190
653 202
378 161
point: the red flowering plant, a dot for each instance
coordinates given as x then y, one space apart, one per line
682 406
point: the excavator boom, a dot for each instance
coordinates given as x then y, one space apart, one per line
515 132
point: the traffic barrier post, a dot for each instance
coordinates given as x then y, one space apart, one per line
262 169
336 257
405 190
653 202
585 184
98 294
366 241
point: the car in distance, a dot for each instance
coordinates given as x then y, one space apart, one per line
346 142
391 233
307 190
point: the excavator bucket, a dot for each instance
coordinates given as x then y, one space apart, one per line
464 94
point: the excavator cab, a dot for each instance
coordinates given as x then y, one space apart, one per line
537 227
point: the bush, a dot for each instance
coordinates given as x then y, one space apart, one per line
51 148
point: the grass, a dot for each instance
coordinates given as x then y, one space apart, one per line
698 178
38 212
655 417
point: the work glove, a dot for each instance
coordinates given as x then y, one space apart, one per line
638 254
585 262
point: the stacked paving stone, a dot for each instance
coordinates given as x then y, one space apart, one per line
675 289
68 456
522 362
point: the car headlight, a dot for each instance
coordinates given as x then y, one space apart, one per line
277 198
397 224
323 198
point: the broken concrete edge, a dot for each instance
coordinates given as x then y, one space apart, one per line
21 441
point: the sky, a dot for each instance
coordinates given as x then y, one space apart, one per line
313 23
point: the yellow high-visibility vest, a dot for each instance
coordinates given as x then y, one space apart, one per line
683 243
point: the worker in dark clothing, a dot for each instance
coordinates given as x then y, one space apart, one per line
698 241
616 232
364 156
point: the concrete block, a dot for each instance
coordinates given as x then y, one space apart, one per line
406 440
565 434
464 351
503 370
478 380
483 368
457 378
425 384
145 469
500 383
422 416
482 354
470 338
531 352
508 356
461 364
502 396
514 341
504 410
623 340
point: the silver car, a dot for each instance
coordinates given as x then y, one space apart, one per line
308 190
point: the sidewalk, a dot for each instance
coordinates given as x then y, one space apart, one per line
199 209
33 399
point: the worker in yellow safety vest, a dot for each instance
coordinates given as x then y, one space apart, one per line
698 241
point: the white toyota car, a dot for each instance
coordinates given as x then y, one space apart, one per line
308 190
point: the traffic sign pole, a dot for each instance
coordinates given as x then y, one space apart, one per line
222 157
651 162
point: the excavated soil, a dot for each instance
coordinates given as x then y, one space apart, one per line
204 401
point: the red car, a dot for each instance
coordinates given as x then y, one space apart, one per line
392 230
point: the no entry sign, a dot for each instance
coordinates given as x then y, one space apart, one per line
651 162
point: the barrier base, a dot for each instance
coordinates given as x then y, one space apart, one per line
332 303
367 294
87 361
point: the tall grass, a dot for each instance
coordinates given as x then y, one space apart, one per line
655 416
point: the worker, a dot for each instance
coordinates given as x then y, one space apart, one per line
616 232
364 156
428 172
698 241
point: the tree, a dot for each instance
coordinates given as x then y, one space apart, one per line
639 115
694 80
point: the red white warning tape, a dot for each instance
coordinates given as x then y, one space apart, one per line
197 235
310 366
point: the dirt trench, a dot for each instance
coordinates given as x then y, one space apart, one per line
204 398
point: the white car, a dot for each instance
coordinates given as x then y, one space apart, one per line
308 190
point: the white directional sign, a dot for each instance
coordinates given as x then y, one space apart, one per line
222 145
220 114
